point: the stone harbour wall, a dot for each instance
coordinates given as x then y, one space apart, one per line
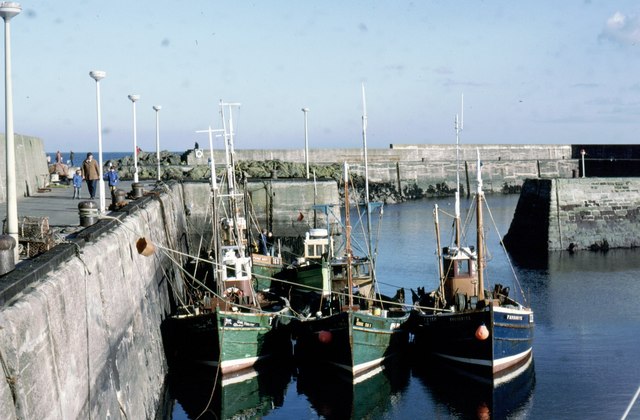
426 165
395 153
576 214
595 213
83 340
285 207
31 166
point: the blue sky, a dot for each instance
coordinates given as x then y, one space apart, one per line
531 72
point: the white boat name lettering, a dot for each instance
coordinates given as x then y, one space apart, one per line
359 323
515 317
230 322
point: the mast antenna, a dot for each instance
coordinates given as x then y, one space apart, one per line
458 127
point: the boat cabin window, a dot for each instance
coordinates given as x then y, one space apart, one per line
461 268
315 250
230 270
361 270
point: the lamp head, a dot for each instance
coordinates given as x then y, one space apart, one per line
157 108
305 110
97 75
9 9
134 98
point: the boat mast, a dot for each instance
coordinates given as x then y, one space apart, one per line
458 127
214 196
438 249
480 233
366 183
231 184
348 234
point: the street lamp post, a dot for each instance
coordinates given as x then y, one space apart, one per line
133 99
306 141
157 108
98 75
7 11
582 153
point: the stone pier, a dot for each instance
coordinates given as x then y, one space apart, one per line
574 214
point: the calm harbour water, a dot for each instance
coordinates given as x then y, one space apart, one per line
587 311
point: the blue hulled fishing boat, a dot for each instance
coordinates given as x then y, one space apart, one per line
484 332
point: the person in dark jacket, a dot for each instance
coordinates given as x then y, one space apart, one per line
91 174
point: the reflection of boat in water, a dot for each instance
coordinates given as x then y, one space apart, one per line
246 394
343 397
475 397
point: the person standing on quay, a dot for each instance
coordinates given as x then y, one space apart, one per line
91 173
112 177
71 156
77 184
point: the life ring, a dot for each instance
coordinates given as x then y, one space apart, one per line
233 291
199 154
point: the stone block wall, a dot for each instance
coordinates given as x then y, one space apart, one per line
396 153
595 213
31 166
285 206
430 164
84 340
575 214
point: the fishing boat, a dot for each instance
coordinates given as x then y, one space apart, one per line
230 324
483 331
322 269
355 329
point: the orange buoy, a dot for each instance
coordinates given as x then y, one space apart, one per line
325 337
483 411
482 333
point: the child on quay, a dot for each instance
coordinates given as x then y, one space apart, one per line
77 184
112 177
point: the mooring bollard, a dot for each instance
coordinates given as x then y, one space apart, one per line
117 198
88 211
7 258
138 191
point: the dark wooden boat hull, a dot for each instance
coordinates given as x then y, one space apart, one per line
229 340
355 341
452 337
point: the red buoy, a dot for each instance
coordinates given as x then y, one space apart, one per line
325 337
482 333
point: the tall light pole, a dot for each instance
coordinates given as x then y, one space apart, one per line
7 11
98 75
158 108
133 99
306 141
